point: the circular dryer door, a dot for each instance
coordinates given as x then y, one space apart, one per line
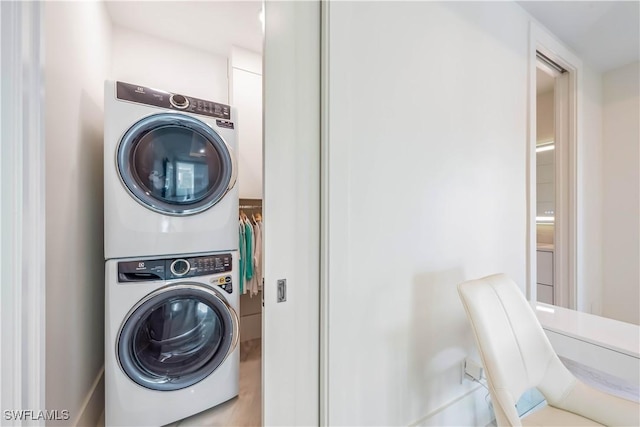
177 336
175 164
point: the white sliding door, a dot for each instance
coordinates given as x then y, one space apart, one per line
291 213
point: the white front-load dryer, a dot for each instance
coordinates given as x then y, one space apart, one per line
169 173
171 337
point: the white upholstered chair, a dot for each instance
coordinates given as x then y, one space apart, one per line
517 356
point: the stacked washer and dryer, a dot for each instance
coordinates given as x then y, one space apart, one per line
171 209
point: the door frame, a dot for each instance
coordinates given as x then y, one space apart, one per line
567 223
22 214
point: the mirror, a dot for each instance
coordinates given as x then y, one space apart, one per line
545 183
605 36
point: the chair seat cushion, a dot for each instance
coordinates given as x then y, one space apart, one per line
550 416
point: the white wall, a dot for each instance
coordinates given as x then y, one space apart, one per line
150 61
427 141
621 249
77 46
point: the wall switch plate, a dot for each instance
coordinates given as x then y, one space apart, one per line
282 290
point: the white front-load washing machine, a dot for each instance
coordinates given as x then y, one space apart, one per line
171 337
169 173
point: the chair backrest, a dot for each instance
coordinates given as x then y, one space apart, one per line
515 351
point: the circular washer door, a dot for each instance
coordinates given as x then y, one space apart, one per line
175 164
176 337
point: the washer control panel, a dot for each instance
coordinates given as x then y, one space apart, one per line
171 101
173 268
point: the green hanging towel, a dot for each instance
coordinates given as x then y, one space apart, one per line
248 237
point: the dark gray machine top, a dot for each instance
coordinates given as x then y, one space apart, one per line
172 101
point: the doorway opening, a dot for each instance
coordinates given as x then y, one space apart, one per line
553 175
125 42
546 74
220 61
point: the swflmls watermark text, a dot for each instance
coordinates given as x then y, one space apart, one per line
31 415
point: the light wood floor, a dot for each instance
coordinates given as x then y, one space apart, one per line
244 410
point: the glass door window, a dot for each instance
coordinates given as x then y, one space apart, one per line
177 337
175 164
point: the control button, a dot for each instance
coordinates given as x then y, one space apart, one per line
180 267
179 101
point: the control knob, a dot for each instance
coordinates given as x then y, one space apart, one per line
179 101
180 267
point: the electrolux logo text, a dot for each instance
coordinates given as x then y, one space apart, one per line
31 415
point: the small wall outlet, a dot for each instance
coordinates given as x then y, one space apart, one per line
473 369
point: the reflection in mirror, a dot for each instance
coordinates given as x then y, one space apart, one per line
545 183
605 37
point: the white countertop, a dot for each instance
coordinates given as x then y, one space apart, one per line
604 332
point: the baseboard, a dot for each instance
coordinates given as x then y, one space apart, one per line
470 409
93 405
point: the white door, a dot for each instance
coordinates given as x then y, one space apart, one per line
291 213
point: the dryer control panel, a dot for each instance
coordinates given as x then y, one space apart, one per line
171 101
173 268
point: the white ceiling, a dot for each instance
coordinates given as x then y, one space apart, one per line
212 26
605 34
